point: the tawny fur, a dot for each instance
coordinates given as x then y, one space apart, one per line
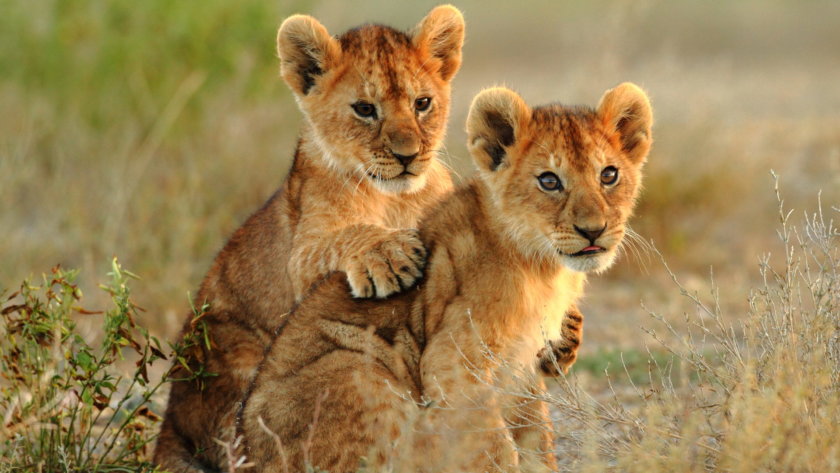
559 355
439 376
356 188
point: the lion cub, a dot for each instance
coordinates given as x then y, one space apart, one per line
375 102
439 377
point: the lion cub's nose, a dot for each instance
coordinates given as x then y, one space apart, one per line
403 143
404 159
590 234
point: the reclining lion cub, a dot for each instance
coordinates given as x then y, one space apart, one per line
437 369
375 102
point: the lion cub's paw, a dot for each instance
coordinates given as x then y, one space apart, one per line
388 266
558 356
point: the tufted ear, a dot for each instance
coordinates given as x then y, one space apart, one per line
440 35
495 122
306 51
625 110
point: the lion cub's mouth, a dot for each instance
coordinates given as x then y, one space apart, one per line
402 175
590 250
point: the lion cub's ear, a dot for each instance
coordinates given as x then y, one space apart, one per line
626 111
495 123
441 34
306 51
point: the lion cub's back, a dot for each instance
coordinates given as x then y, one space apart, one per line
336 355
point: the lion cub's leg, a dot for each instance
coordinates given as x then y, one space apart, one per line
336 385
327 415
201 411
472 437
531 426
378 261
364 340
561 354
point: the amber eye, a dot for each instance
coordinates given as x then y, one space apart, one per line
422 104
609 175
550 182
364 109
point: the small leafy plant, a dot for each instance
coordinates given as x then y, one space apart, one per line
64 403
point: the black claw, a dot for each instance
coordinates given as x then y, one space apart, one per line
400 282
395 280
549 368
372 286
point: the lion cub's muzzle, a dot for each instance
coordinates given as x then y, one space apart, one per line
396 173
591 249
591 234
393 165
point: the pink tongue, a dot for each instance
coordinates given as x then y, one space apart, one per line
591 248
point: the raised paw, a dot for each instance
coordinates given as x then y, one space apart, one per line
560 355
388 266
557 357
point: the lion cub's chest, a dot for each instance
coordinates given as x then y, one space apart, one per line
385 210
541 309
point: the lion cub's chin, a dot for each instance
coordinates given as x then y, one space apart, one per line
399 185
596 263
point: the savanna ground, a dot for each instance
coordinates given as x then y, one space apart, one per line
151 130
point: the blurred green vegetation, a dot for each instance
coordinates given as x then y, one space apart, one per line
84 55
637 366
110 110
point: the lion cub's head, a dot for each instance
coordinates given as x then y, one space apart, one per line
563 179
376 99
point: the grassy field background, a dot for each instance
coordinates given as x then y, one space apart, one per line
151 130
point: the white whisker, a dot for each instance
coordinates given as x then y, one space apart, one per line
363 176
638 247
443 151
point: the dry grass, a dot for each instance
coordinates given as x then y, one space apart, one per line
151 130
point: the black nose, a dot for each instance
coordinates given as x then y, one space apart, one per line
591 235
404 159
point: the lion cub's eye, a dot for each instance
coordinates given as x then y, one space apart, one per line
364 109
550 182
609 175
422 104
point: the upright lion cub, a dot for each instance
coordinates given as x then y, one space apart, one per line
447 368
375 102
